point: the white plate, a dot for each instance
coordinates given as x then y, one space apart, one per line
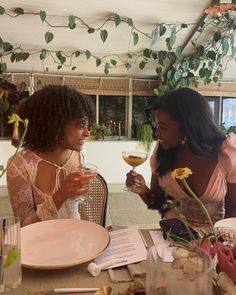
61 243
227 222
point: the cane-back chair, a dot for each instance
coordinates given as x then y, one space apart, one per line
95 210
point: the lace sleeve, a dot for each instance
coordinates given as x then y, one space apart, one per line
22 198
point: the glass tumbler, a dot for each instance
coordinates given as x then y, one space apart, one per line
165 278
10 253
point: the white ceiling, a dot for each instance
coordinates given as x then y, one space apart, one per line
28 31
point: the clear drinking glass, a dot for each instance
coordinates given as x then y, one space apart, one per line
163 279
10 253
88 171
134 159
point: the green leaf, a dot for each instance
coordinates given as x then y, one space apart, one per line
87 54
234 1
154 35
225 46
128 65
43 54
215 79
61 57
19 56
117 19
142 65
25 55
59 67
135 38
107 65
159 71
130 22
98 62
162 29
91 30
103 35
211 54
217 36
77 53
7 46
113 62
71 23
1 42
13 57
2 10
73 68
162 56
147 52
201 73
172 36
184 26
48 37
18 10
42 15
106 71
178 50
130 55
171 56
200 50
168 44
154 55
196 63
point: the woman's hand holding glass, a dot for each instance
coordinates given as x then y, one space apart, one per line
135 182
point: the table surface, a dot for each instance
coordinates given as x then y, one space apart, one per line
73 277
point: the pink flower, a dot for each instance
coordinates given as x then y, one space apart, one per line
226 259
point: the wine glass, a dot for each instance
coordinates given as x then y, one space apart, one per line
88 172
134 159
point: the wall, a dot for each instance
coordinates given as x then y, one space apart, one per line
105 154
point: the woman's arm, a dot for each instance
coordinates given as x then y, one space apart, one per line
230 200
21 196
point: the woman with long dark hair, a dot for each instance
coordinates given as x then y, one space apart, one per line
188 137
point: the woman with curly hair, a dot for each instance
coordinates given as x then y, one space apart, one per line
188 137
40 181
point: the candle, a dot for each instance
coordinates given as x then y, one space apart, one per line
119 129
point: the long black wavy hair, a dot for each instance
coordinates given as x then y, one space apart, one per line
49 110
192 111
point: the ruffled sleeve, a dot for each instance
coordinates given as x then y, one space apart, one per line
227 158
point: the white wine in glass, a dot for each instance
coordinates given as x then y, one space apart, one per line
134 159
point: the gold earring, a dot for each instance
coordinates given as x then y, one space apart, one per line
184 140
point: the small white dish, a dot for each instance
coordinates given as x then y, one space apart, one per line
227 222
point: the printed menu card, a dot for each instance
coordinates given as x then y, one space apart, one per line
126 246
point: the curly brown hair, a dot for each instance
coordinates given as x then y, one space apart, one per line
49 110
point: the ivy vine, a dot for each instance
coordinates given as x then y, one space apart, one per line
206 61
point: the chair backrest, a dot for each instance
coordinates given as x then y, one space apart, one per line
95 210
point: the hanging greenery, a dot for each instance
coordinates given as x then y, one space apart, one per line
206 61
144 135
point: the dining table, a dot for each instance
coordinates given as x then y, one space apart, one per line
39 282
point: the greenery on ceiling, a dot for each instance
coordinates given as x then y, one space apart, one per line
207 61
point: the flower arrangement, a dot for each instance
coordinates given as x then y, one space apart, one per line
223 254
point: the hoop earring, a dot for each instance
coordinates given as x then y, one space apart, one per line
184 140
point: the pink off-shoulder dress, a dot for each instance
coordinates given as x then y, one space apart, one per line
213 197
28 201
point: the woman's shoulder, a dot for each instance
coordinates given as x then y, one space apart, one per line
227 155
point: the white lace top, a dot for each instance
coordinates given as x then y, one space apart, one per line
32 181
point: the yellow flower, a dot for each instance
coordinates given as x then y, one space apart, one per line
181 173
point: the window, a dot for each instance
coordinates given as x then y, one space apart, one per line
229 111
214 103
112 113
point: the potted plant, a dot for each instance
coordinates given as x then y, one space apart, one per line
100 131
145 135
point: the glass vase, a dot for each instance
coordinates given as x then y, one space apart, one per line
192 274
